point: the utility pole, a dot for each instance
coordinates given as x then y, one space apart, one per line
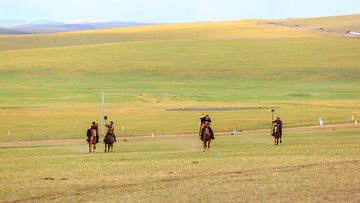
102 118
272 118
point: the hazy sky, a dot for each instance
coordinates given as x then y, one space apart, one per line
168 11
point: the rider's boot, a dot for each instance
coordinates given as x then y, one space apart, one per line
212 134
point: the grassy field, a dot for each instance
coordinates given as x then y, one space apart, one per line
310 166
53 82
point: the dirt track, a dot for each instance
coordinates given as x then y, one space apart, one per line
337 126
307 28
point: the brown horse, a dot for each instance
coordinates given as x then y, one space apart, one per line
277 134
109 141
92 140
206 137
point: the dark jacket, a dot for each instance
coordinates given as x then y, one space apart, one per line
94 127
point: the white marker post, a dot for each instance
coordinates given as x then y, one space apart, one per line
102 118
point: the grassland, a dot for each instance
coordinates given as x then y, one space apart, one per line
310 166
53 82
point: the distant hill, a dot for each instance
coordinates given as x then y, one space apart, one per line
53 27
11 32
119 24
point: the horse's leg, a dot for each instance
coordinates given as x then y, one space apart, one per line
94 147
89 146
208 147
105 147
204 143
112 146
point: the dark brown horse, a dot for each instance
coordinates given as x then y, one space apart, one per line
277 134
109 141
92 140
206 137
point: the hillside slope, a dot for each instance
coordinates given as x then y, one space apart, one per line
246 29
341 23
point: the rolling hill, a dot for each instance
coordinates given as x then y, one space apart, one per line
54 81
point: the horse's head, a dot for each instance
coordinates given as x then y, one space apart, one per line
276 127
93 132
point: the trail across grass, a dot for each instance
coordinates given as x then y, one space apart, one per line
318 165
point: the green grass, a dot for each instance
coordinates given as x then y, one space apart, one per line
320 165
55 83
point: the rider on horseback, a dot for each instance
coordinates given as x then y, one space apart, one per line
110 130
93 126
280 123
203 121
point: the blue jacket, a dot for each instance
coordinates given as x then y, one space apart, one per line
278 122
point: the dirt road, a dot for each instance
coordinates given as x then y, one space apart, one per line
307 28
337 126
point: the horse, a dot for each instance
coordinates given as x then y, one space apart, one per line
206 137
277 134
92 140
109 141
